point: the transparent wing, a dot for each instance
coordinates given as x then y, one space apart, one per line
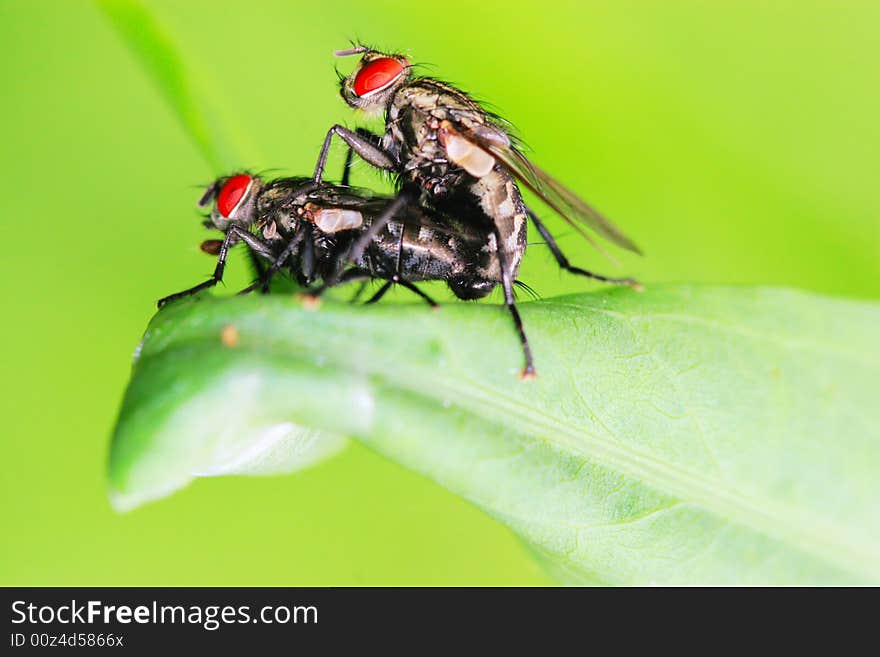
562 200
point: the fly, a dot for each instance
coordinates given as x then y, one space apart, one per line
343 235
449 153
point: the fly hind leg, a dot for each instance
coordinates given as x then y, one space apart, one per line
567 266
507 282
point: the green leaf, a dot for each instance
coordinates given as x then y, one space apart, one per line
683 435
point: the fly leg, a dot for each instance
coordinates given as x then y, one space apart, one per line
380 293
259 271
409 286
312 298
353 276
360 292
361 145
412 288
358 247
257 264
564 263
346 168
349 154
309 261
232 236
528 371
264 280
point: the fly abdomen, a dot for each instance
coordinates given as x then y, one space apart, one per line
429 251
499 198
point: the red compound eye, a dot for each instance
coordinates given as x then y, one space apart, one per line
377 75
231 193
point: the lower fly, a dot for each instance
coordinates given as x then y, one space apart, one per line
327 235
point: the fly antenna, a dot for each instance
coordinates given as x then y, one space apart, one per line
209 195
357 50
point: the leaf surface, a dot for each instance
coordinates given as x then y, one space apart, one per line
683 435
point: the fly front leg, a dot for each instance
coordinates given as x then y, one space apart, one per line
364 147
346 167
528 371
234 235
567 266
372 137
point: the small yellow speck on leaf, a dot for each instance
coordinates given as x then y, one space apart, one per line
229 336
309 301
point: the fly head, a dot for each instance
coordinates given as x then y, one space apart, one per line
234 200
375 79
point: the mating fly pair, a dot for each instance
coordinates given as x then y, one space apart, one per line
340 234
456 168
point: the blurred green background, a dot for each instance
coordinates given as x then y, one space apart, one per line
736 141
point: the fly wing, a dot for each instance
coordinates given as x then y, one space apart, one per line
559 197
562 200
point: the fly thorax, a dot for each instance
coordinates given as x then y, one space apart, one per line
411 135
